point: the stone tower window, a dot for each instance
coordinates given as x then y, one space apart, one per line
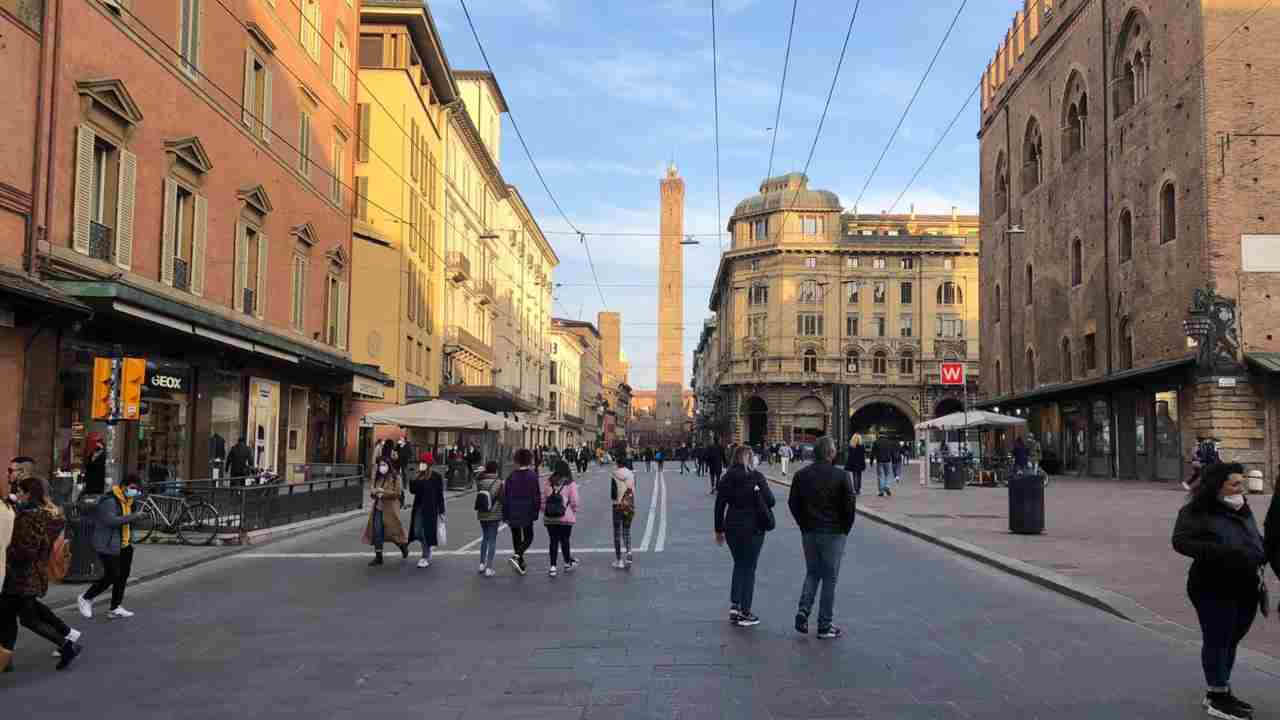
1077 262
1031 284
1075 117
1001 180
1168 213
1126 235
1133 62
1066 359
1032 157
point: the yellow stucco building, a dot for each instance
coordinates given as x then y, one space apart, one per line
406 86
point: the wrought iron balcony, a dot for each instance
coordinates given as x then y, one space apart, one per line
458 266
487 294
181 274
101 242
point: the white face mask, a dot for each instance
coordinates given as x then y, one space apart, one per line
382 469
1235 502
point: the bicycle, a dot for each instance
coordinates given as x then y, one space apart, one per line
194 523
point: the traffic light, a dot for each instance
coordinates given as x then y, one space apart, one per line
102 392
133 373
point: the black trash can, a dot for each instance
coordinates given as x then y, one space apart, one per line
952 474
85 566
1026 504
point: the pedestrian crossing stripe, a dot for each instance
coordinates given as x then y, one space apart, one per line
434 554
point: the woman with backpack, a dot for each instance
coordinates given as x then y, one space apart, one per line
623 494
428 512
384 523
1217 530
743 504
559 512
37 525
489 513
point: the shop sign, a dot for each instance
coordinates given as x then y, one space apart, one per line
1226 382
368 388
952 373
163 380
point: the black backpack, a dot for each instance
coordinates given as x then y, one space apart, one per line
554 507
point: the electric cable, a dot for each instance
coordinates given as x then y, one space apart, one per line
786 62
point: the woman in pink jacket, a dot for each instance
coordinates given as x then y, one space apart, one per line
559 511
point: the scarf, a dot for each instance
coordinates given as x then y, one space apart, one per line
126 508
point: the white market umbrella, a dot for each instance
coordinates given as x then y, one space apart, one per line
971 420
438 415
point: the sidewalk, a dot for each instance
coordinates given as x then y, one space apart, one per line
1105 542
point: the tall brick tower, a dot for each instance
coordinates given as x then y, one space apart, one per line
671 307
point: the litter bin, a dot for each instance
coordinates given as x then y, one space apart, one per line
1026 504
85 566
952 474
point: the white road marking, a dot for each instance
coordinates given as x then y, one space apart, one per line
653 510
662 520
366 554
471 545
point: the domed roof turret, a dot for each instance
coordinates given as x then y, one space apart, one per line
788 192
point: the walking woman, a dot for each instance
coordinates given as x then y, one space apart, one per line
856 464
1216 529
521 502
36 524
489 513
112 540
738 522
428 512
623 494
384 515
559 512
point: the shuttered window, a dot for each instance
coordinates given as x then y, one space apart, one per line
103 203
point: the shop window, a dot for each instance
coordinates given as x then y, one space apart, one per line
880 363
226 417
810 361
1168 436
256 99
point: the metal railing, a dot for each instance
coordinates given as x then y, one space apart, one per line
457 335
458 265
250 306
101 242
487 294
181 274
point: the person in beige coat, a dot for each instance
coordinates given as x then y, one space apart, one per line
384 523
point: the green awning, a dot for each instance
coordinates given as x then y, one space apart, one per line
1264 361
1057 390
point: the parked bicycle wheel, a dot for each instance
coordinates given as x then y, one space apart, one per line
140 530
198 524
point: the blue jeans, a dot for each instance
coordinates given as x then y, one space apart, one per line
823 553
884 473
488 542
744 546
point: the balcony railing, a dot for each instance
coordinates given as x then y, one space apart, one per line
458 266
456 335
250 302
101 242
181 274
487 294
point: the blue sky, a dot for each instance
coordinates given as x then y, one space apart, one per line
606 91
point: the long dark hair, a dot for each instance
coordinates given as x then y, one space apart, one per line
562 473
1205 495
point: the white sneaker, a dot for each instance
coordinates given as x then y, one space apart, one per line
120 614
571 566
552 572
74 635
424 563
482 569
618 564
488 572
86 607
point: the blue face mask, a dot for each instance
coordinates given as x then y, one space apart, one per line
132 493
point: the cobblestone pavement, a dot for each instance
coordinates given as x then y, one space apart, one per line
303 628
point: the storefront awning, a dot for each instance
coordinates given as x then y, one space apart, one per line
122 299
22 289
1268 362
1055 391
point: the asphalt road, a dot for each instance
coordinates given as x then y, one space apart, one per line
303 628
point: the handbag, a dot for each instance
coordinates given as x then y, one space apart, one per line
442 531
764 513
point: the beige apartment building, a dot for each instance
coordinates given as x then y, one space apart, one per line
564 395
827 323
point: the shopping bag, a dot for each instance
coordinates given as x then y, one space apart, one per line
442 531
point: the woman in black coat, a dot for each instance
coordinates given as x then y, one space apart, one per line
737 521
856 463
428 508
1216 529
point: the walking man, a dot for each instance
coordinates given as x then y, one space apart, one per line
784 453
715 463
822 504
884 452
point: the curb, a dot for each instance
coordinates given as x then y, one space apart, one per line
1109 602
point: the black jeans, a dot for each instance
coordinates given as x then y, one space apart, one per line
559 535
34 616
1225 618
521 539
857 481
744 546
715 478
115 575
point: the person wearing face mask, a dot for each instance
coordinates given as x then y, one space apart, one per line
384 515
112 540
1216 529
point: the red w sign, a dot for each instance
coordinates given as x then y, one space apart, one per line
952 373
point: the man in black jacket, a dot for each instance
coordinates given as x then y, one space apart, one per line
714 457
823 504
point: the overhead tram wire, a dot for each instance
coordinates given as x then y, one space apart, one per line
914 96
528 154
835 77
715 94
1262 6
782 87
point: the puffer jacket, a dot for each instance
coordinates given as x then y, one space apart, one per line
1224 544
28 553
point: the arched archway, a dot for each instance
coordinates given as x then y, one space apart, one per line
882 419
756 414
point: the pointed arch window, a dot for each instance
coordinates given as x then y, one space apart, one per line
1001 184
1168 213
1133 63
999 379
1032 157
1125 233
1075 117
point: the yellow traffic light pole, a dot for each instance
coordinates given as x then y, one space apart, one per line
116 395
